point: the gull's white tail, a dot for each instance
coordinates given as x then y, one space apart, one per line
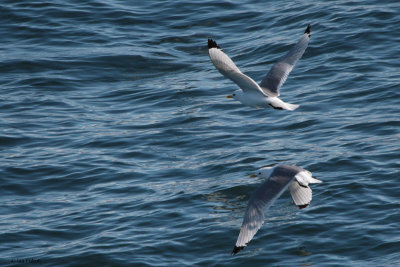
277 103
291 106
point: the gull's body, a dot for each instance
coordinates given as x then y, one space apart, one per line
279 178
266 93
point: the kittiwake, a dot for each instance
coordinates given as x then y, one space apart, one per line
266 93
279 178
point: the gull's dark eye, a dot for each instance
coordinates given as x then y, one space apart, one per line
259 173
234 94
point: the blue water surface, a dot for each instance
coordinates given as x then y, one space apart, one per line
119 148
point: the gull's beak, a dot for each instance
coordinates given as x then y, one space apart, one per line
252 175
229 96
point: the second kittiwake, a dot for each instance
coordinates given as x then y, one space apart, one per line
279 178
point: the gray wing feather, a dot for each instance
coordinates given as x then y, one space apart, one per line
301 195
279 72
227 68
261 199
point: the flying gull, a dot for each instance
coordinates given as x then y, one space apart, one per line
279 177
267 92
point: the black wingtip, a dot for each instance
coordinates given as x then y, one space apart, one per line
212 44
236 250
308 30
303 206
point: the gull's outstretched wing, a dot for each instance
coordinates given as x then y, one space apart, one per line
301 194
279 72
300 191
227 68
262 199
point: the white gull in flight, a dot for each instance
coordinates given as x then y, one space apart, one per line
279 177
266 93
